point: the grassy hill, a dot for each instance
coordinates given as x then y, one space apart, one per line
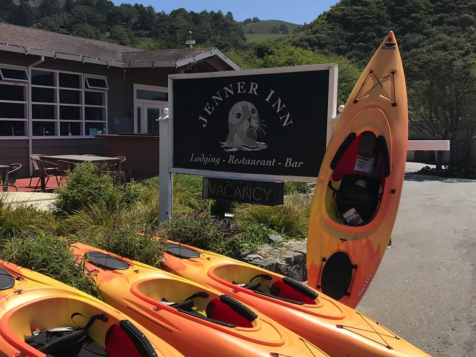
264 27
263 38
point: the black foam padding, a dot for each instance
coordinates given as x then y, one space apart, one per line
301 288
239 308
107 261
180 251
138 339
367 144
342 149
337 276
7 281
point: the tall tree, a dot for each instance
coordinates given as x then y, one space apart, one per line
68 5
6 9
49 7
23 14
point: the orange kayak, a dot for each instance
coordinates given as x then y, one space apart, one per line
359 186
196 320
40 316
337 329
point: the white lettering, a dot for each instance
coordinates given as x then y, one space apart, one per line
241 87
227 195
287 118
229 90
217 97
253 88
254 194
220 190
279 105
204 120
270 95
267 193
211 188
209 109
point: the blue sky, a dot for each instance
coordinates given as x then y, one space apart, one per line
295 11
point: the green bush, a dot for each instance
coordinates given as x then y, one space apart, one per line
91 185
201 230
291 188
125 241
290 219
49 255
255 235
20 219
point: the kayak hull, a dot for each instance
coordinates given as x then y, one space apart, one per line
335 328
342 259
37 303
141 290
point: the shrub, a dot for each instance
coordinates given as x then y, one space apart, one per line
255 235
291 188
91 185
125 241
49 255
19 219
289 219
201 230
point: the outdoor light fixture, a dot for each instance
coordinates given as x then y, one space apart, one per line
164 116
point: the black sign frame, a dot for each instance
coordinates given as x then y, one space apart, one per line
249 83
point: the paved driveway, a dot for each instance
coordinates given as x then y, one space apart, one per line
425 289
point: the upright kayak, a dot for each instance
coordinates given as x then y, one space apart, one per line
196 320
41 317
337 329
359 186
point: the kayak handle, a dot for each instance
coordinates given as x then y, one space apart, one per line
239 308
301 288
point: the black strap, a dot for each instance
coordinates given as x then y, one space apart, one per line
239 308
301 288
200 294
101 317
263 276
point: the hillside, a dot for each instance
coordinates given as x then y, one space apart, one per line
264 27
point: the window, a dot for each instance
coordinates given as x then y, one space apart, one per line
151 95
96 83
67 104
13 106
13 75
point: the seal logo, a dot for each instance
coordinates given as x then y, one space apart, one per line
244 127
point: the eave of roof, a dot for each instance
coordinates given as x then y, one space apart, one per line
140 64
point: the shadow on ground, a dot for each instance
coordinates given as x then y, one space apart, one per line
416 177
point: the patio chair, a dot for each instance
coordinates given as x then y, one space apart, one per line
44 172
33 159
64 167
12 176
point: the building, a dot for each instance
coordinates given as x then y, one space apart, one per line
58 91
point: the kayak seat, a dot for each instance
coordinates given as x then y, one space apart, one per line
217 310
360 193
287 291
182 252
127 340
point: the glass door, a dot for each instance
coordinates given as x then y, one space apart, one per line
149 115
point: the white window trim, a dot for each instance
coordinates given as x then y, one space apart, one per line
87 76
15 68
17 83
141 102
57 105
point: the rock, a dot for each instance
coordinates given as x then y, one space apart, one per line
275 238
252 257
288 259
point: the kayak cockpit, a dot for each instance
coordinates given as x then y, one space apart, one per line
265 284
179 296
356 186
58 326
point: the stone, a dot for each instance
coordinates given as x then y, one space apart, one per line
275 238
252 257
288 259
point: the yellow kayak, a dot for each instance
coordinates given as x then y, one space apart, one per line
41 317
359 186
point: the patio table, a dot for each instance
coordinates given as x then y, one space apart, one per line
5 169
80 159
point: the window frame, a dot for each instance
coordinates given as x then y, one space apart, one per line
86 81
14 68
57 105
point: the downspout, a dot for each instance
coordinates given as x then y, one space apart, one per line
30 119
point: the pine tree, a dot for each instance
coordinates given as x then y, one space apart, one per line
49 7
23 14
69 5
7 7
